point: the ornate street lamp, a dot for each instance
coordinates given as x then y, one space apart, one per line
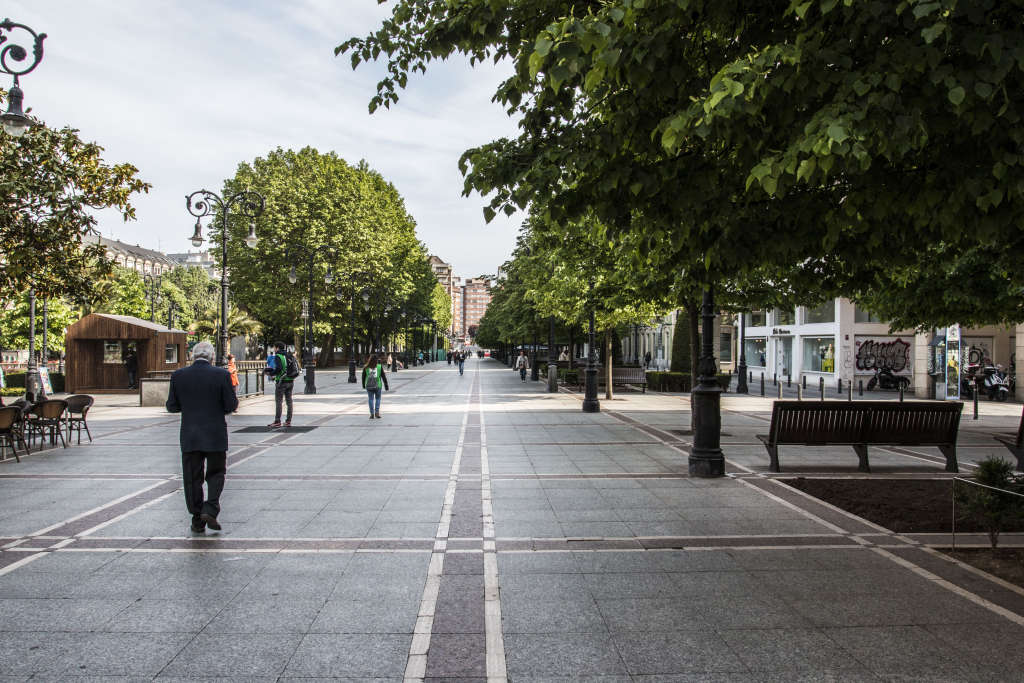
171 308
203 203
552 359
308 362
590 402
152 283
706 458
14 121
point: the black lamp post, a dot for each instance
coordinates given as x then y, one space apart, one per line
171 308
308 361
552 359
741 368
202 203
14 121
534 370
706 458
152 283
590 402
636 344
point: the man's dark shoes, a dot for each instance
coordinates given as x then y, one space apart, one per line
210 521
288 424
275 424
197 526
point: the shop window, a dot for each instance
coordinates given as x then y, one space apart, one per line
825 313
112 352
725 353
171 353
756 319
785 316
755 350
819 354
861 315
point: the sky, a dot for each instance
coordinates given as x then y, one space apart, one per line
187 89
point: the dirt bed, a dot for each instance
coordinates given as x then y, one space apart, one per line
900 505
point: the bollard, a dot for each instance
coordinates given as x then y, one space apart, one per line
821 387
804 381
789 380
849 392
975 403
762 384
860 387
839 385
799 393
780 390
751 380
901 393
775 378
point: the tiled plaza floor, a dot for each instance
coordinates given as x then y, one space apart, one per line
483 529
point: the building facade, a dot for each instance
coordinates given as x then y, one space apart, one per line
475 297
198 259
142 260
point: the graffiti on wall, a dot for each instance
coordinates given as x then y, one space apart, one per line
883 352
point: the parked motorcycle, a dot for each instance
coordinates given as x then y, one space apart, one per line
997 384
885 379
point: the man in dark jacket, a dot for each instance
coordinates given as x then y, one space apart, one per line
131 365
203 395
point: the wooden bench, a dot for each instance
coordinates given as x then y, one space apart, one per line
862 424
1014 443
620 377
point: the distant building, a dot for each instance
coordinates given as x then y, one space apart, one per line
474 297
200 259
142 260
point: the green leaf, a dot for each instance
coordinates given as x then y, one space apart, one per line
802 8
489 214
543 46
956 95
983 89
931 33
837 132
925 8
827 6
807 168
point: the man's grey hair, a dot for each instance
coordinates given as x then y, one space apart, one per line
203 351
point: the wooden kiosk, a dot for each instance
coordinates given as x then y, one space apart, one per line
97 345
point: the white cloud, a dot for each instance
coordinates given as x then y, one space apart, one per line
187 90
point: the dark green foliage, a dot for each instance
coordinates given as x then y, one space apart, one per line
993 509
16 382
681 354
668 381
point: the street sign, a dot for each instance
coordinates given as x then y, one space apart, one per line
305 308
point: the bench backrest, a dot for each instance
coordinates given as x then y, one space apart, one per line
630 374
911 422
1020 430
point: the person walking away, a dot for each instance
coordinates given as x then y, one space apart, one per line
522 365
647 359
450 354
462 363
131 364
285 369
233 370
203 394
419 357
373 379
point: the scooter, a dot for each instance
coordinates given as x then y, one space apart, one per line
885 379
997 384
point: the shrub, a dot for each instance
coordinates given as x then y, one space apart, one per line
992 509
12 391
17 380
668 381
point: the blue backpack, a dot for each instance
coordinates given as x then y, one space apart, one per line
271 368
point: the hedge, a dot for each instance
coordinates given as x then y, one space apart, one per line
679 381
17 380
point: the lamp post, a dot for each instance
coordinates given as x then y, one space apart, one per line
706 458
203 203
308 362
590 402
171 308
33 381
552 359
14 121
152 283
534 370
636 344
741 368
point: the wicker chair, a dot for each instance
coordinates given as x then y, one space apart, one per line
47 415
78 408
10 429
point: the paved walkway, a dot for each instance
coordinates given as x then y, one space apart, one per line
482 530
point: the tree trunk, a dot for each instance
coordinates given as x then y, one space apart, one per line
297 340
608 364
572 345
693 316
326 358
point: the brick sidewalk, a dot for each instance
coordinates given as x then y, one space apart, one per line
481 529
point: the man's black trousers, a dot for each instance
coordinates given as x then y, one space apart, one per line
193 464
283 394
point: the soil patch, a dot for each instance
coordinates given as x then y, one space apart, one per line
900 505
1006 563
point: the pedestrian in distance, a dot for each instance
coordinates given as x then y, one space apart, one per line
131 364
233 369
462 362
419 357
203 394
450 354
374 379
522 365
647 359
284 368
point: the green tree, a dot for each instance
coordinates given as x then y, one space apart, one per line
123 292
239 324
50 183
14 324
193 291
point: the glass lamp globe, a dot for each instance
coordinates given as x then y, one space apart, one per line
251 239
292 277
329 277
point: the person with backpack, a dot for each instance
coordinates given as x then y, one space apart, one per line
284 368
522 365
373 379
460 358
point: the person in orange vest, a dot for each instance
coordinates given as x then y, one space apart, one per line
233 369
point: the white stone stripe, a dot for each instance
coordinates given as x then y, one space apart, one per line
98 508
21 563
129 513
795 508
416 664
951 587
494 638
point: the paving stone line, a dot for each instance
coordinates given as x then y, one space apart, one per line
496 667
